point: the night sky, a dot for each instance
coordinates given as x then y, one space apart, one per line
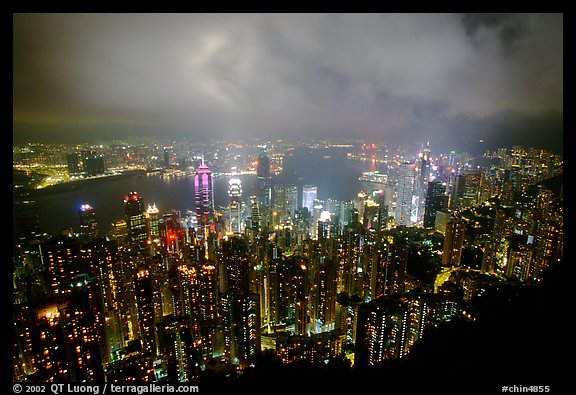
450 78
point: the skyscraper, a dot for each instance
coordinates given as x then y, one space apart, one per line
285 201
405 194
135 219
436 200
204 193
324 295
381 327
82 327
143 286
241 311
210 323
264 185
88 224
309 194
179 350
93 163
62 263
236 264
453 242
152 220
254 214
468 189
425 165
235 206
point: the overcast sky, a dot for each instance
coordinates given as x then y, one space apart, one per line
450 78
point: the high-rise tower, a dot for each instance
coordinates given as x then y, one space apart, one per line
135 219
285 201
405 194
453 242
143 287
152 218
436 200
309 194
425 165
235 206
264 185
88 224
204 193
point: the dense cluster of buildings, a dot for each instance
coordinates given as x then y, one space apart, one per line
168 297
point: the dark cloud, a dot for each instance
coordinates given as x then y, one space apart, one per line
387 76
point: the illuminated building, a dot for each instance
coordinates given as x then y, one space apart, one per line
300 284
405 201
119 229
60 255
492 249
419 316
210 324
88 224
49 359
63 338
254 214
186 295
468 189
171 232
441 221
309 194
425 165
548 249
168 157
235 206
314 349
447 302
285 201
101 256
235 263
152 220
93 163
323 307
241 313
136 368
421 184
436 200
345 215
453 242
209 292
388 271
381 331
264 187
115 280
143 285
519 264
74 164
82 323
178 349
135 219
325 228
276 294
204 200
353 250
548 244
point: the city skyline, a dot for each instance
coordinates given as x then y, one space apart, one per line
464 78
304 202
350 286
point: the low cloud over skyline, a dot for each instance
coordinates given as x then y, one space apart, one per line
401 78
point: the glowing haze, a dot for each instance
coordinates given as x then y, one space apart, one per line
402 77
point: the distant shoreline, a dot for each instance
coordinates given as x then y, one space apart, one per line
77 184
